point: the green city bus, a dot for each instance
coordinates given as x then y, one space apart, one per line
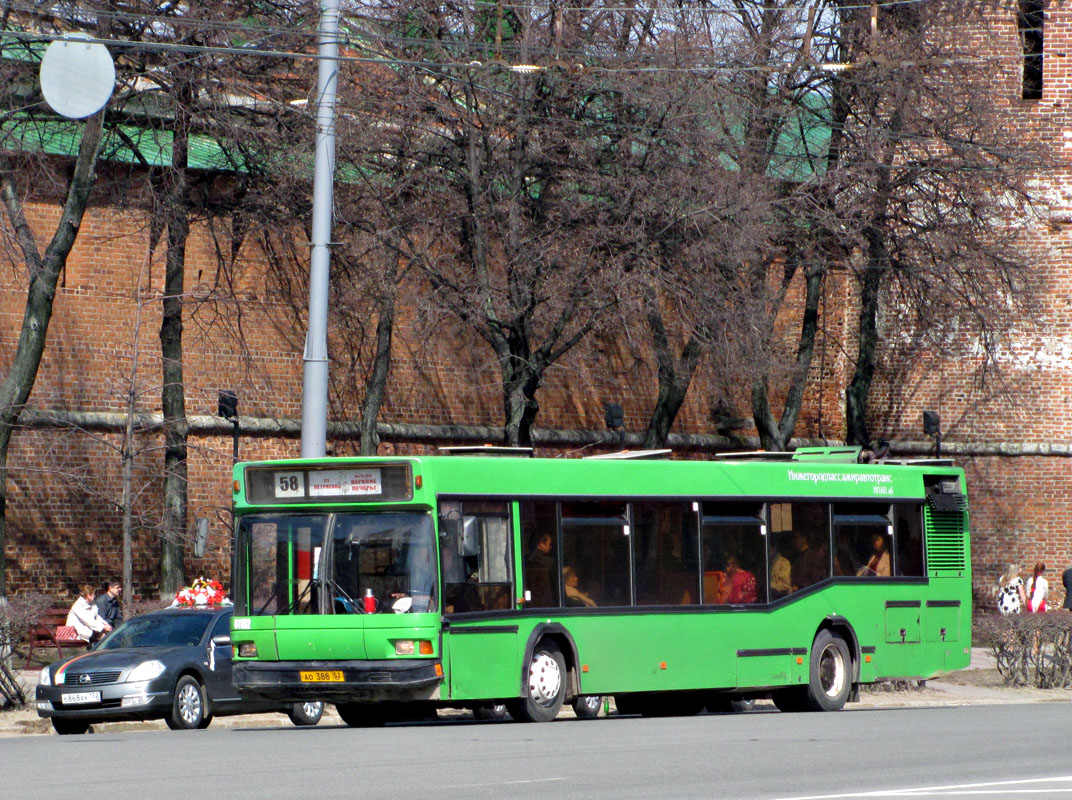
394 586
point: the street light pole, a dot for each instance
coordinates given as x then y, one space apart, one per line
315 358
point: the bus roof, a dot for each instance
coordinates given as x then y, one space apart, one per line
400 479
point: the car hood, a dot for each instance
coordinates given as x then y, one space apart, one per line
97 660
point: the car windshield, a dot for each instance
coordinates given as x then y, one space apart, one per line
156 630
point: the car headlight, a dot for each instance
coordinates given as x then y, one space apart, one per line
146 671
45 678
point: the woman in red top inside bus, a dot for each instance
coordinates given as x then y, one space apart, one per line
740 585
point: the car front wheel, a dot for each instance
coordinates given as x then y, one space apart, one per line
189 709
303 714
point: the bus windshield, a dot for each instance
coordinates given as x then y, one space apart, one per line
388 557
375 562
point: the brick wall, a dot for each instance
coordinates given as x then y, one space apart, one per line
64 526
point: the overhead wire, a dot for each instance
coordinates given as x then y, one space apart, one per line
366 39
442 70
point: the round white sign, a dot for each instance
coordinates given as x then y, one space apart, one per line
77 76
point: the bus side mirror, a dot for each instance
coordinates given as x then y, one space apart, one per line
470 542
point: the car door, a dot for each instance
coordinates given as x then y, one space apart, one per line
218 662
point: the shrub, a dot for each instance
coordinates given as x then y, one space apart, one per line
1030 649
22 611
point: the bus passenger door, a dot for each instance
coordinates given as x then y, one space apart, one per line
476 558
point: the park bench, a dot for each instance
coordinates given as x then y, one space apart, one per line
52 630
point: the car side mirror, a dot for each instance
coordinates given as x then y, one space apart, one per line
223 640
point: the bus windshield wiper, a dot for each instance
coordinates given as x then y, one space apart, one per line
271 597
294 603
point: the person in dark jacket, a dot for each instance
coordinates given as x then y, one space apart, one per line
108 605
1066 579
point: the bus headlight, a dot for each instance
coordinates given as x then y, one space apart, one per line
247 650
409 647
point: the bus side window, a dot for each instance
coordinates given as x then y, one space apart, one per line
734 553
664 549
539 537
476 558
908 535
595 543
805 528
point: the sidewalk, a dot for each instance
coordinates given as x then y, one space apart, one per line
978 684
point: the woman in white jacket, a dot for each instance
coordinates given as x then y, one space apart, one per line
84 616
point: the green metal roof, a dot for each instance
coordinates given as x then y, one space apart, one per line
61 138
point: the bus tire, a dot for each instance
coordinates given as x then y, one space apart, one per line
362 715
545 686
587 706
829 673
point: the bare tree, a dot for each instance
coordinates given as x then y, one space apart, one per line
515 260
930 190
43 270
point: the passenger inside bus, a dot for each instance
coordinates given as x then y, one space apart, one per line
781 571
810 565
739 586
574 596
878 565
540 573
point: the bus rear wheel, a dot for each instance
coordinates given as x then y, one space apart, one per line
830 672
545 686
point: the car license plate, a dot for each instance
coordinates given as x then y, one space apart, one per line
75 698
322 676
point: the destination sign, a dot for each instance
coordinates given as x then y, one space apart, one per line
344 482
329 483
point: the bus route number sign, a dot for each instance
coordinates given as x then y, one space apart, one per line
290 484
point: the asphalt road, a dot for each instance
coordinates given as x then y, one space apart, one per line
930 752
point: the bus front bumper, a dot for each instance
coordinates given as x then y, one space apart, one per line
321 680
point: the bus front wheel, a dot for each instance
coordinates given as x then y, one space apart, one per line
830 673
545 686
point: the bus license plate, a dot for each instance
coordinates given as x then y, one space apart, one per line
81 697
322 676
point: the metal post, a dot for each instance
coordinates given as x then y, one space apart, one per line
315 358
